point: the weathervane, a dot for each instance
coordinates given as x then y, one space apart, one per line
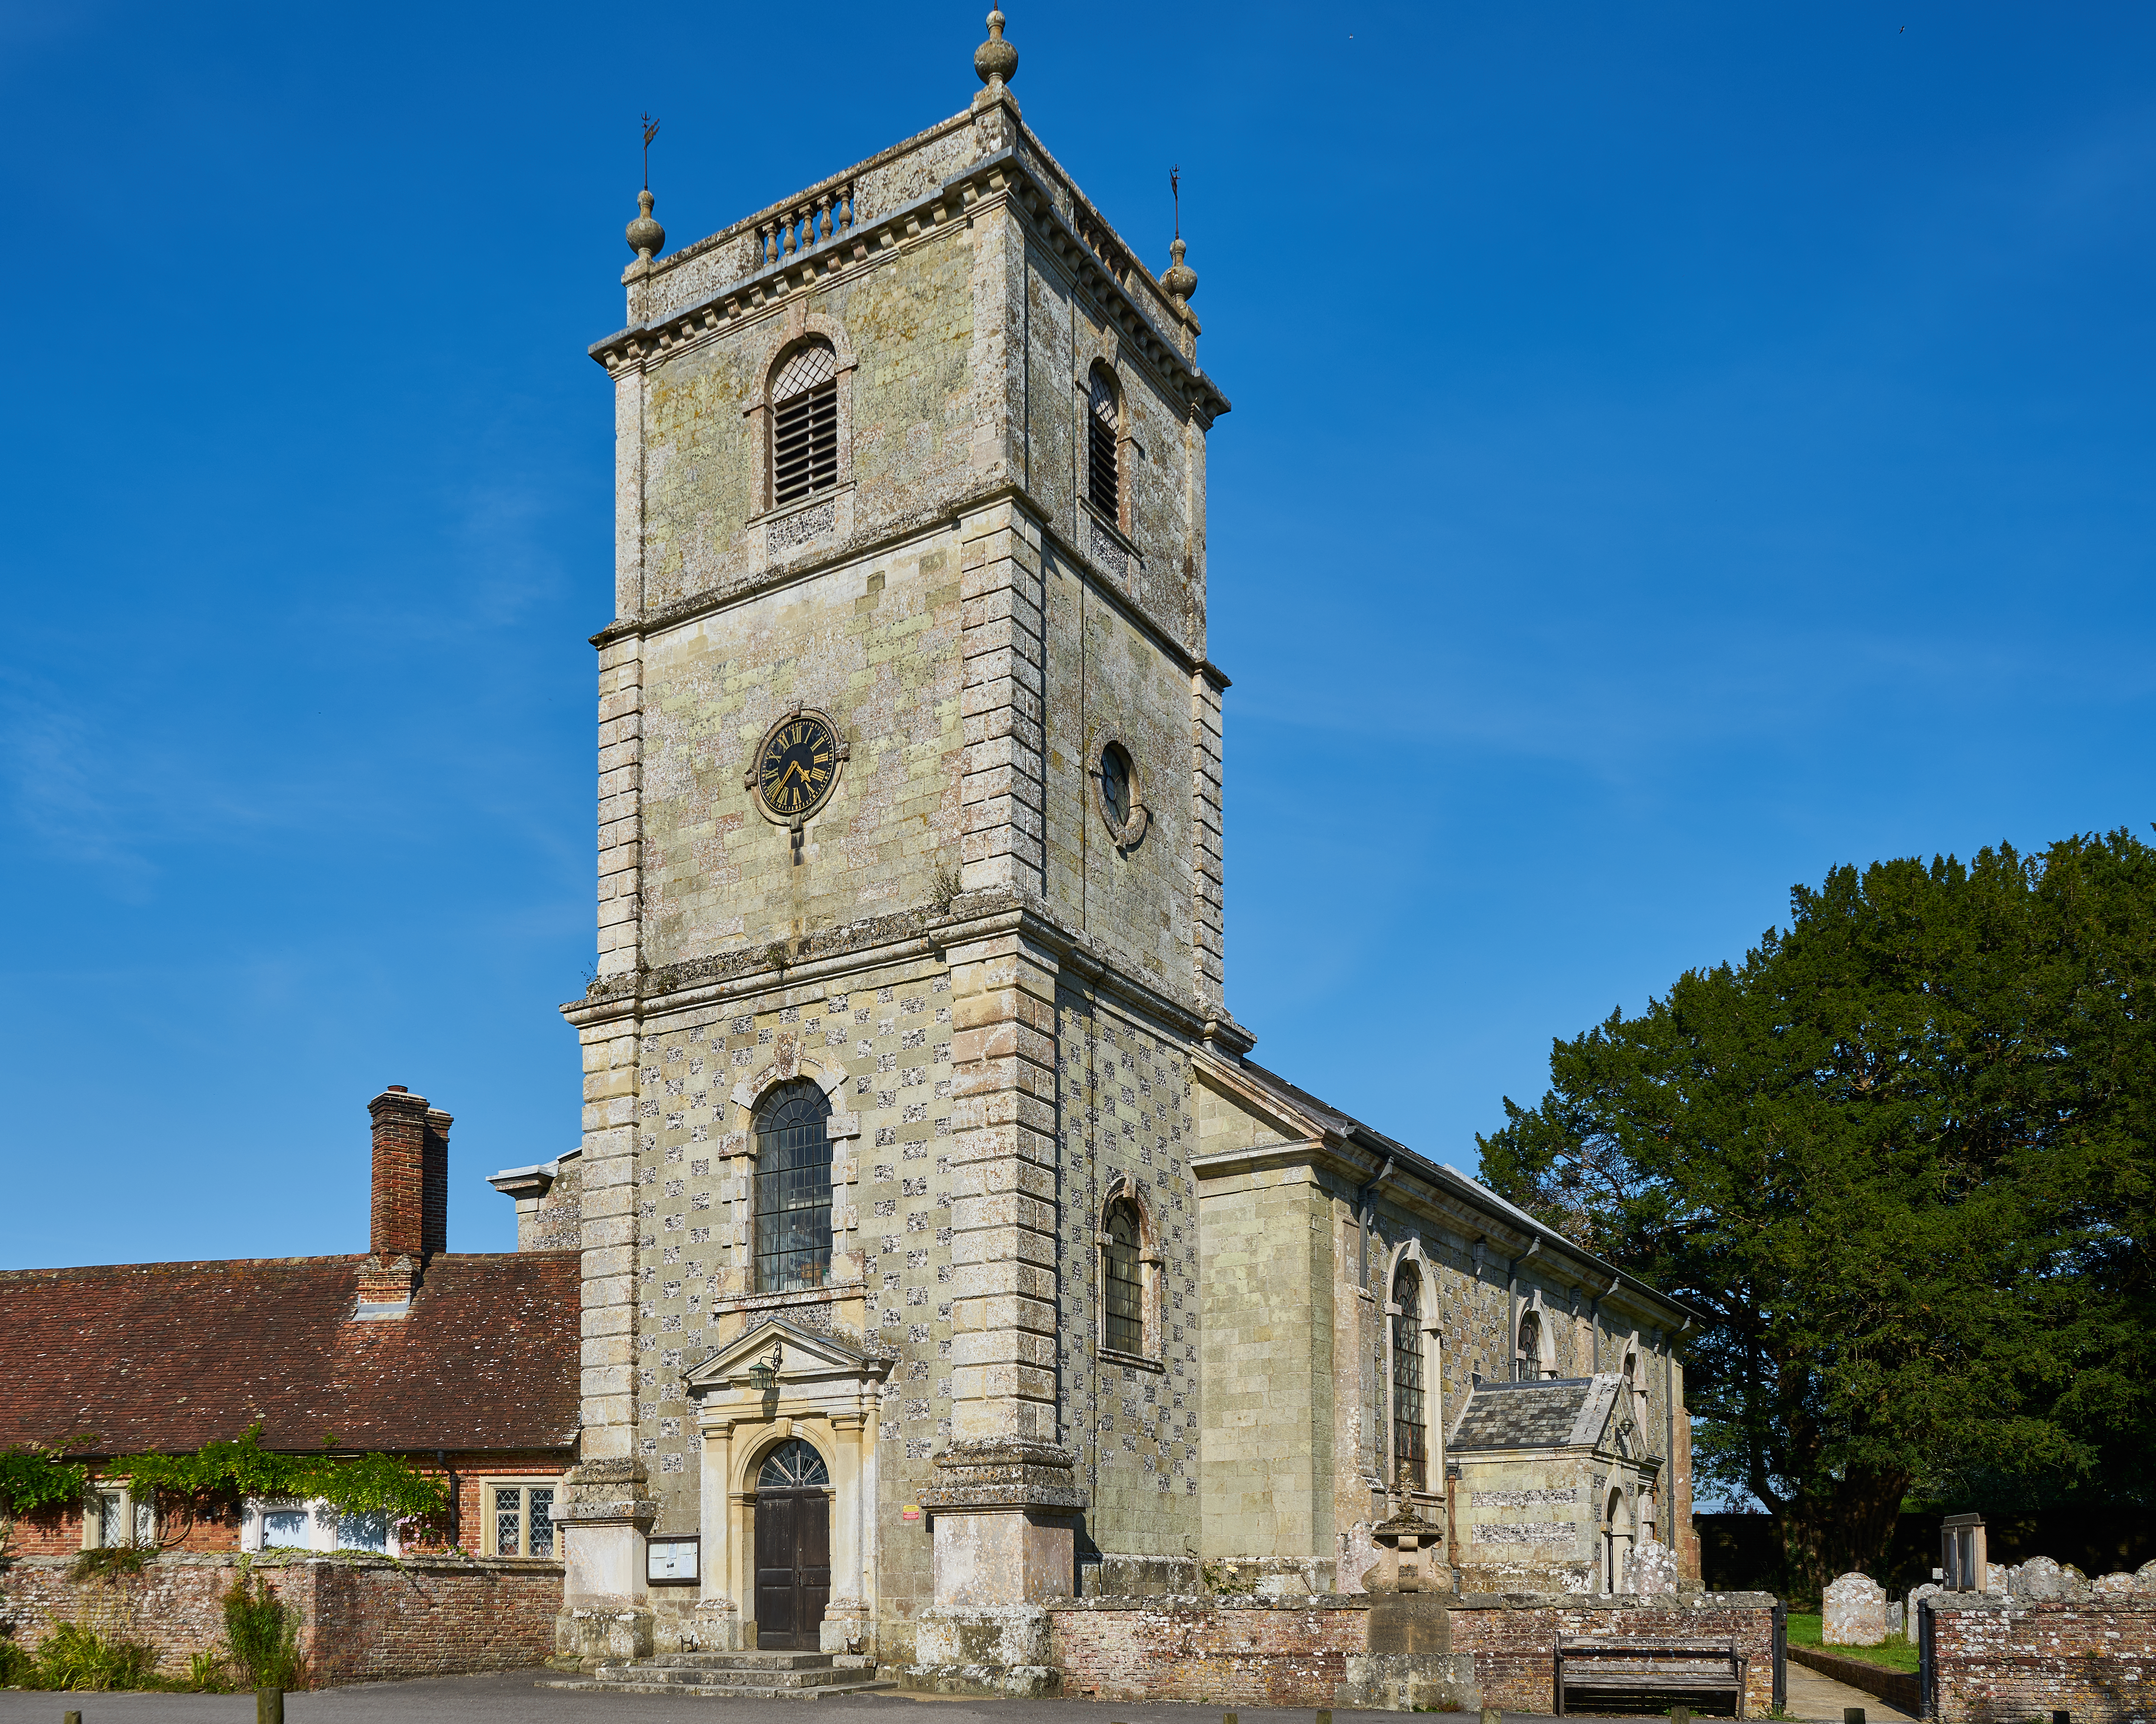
650 131
1175 191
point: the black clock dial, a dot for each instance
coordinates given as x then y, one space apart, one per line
798 767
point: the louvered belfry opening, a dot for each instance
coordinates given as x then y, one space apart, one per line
1100 446
805 434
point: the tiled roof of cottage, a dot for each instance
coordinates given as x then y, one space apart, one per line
128 1357
1557 1413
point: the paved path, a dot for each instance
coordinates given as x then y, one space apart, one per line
1812 1695
513 1697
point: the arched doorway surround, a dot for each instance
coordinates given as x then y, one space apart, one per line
822 1393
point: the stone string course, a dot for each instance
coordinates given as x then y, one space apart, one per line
361 1620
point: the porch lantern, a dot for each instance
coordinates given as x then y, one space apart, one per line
763 1374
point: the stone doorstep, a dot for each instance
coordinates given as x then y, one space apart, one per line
681 1691
721 1676
753 1661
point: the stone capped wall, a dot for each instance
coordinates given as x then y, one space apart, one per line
1997 1661
362 1619
1256 1652
1514 1640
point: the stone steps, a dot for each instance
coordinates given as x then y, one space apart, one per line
732 1676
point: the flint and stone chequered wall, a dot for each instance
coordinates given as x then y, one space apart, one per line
2002 1662
362 1620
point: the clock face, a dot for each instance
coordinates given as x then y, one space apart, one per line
798 767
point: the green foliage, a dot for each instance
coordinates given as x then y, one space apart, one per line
108 1562
263 1636
242 1467
32 1476
206 1673
77 1658
1901 1158
1897 1652
17 1669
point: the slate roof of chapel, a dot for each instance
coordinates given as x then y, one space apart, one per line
129 1357
1556 1412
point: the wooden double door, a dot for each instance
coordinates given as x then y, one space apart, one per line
792 1548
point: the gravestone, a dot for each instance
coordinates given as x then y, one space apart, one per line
1652 1572
2041 1578
1853 1612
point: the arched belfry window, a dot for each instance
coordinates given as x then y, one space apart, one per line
792 1189
1410 1420
804 423
1104 425
1528 1364
1122 1326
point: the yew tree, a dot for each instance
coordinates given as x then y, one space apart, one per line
1900 1159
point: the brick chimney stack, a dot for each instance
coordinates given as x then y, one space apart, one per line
411 1208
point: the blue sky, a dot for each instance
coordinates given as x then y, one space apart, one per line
1676 448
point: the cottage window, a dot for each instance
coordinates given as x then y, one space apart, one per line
1103 436
1410 1421
115 1518
804 423
289 1528
1123 1326
792 1189
522 1518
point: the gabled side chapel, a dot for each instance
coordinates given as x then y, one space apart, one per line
944 1253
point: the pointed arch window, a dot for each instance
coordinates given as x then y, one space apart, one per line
1123 1328
1104 425
804 423
792 1189
1410 1416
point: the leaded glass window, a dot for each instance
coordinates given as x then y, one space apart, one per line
523 1520
1410 1440
542 1522
792 1189
1125 1329
1531 1349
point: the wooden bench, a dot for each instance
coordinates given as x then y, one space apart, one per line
1602 1672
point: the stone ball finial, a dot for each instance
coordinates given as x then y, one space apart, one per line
995 60
645 237
1180 280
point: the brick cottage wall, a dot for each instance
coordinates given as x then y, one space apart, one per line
1514 1638
1240 1651
1293 1652
2004 1661
362 1619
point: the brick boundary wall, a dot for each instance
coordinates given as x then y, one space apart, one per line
1293 1652
361 1620
1902 1689
1514 1637
2004 1661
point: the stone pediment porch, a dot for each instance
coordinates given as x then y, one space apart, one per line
775 1383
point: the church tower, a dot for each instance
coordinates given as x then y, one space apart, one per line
910 917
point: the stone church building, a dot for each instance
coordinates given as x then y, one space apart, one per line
944 1250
